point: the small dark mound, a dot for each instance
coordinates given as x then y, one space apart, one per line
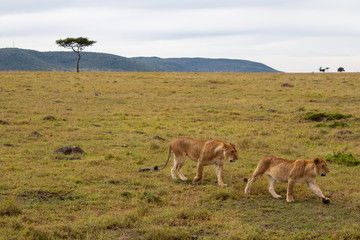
343 132
287 85
48 118
159 138
68 150
4 122
35 134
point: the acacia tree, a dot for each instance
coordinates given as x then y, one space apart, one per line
76 44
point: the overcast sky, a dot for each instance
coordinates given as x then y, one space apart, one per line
288 35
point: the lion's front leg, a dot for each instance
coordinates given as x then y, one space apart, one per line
199 173
316 189
219 174
290 188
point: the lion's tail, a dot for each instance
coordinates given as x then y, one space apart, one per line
167 160
156 168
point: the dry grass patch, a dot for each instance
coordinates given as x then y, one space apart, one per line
129 125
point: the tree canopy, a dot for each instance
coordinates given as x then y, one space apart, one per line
341 69
76 44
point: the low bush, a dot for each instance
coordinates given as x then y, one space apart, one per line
150 198
335 124
321 116
10 208
341 158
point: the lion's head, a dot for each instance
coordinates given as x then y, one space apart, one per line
230 152
321 166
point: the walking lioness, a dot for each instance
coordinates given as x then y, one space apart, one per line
301 170
203 152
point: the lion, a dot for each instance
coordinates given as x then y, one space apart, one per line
282 170
212 152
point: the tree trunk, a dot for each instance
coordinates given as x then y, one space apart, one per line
78 61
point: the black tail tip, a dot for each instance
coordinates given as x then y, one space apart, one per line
245 180
156 168
144 169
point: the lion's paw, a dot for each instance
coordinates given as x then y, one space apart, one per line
195 180
290 200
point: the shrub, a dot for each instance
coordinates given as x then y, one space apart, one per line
339 124
109 156
10 208
150 198
126 194
321 125
301 109
341 158
320 116
335 124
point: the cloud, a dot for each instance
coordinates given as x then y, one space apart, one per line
44 5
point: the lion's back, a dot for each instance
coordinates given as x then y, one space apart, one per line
277 167
187 146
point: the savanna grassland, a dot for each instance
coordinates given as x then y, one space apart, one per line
44 195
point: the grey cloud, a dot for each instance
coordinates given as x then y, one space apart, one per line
21 6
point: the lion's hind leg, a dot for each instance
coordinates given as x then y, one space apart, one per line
272 182
253 178
251 181
259 171
173 169
178 164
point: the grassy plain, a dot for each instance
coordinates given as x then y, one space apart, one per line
102 196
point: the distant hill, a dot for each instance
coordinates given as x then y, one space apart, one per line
203 65
30 60
15 59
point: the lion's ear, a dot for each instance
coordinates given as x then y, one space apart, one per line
316 161
233 145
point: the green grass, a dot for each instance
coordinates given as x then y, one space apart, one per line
341 158
102 196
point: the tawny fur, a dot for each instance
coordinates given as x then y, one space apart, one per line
282 170
203 152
